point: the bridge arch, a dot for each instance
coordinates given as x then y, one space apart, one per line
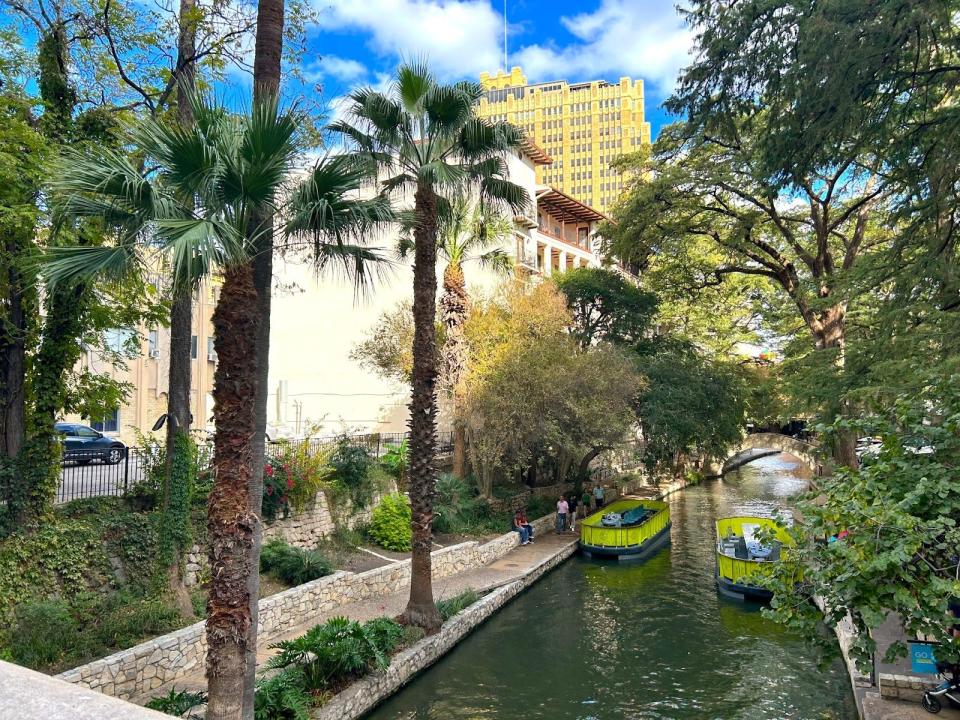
751 447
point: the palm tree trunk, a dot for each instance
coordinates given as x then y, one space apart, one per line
421 610
266 86
181 330
229 520
454 305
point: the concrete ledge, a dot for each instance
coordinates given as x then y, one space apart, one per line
29 695
370 691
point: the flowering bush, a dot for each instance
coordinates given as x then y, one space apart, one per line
293 476
278 481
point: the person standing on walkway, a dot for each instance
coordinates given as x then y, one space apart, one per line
585 502
562 509
598 496
572 512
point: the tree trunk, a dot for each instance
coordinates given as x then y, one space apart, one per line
830 334
13 356
229 519
454 306
38 464
421 610
266 87
178 475
584 466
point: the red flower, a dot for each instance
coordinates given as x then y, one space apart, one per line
286 469
269 470
290 483
269 489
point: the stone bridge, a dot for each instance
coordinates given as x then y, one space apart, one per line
757 445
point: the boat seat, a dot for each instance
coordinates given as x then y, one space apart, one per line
741 552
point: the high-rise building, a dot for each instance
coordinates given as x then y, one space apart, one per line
582 126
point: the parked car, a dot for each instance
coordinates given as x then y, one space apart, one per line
82 443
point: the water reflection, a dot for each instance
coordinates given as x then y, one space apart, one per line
651 641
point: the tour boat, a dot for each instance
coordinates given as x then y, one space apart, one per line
628 529
746 547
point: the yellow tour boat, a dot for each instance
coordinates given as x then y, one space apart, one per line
628 529
746 546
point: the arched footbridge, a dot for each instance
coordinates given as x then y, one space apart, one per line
757 445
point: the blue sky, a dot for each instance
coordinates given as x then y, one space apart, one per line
357 42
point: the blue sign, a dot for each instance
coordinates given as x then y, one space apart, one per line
921 658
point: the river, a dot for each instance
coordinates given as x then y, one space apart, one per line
650 641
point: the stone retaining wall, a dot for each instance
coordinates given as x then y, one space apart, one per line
301 529
904 687
137 671
371 690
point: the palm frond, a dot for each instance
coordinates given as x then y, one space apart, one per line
70 265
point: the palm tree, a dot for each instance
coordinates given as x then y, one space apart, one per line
426 138
196 204
468 230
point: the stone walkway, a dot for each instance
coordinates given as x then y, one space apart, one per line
500 572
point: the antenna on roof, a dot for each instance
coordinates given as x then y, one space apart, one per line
506 67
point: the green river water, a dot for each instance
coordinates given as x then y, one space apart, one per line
645 641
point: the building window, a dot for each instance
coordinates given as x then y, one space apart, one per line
193 347
211 352
109 423
116 339
153 343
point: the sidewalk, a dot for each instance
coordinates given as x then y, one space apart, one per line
877 707
500 572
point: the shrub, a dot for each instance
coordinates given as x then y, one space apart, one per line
396 461
352 468
42 633
47 635
283 697
176 703
459 509
451 606
540 506
337 650
292 565
390 523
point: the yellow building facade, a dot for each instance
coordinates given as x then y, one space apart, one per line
147 374
584 127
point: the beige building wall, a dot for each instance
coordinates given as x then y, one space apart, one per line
148 373
317 322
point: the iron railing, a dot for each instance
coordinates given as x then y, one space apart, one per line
85 475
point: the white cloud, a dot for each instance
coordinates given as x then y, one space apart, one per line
641 38
333 66
459 38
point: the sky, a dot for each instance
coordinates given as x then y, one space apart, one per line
359 42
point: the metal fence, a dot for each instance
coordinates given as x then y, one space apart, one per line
83 476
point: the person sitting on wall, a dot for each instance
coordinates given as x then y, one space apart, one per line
524 529
525 523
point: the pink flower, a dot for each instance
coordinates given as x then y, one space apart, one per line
290 483
269 489
269 470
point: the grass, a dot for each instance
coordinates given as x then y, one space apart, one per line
457 604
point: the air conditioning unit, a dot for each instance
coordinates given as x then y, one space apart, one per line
154 354
212 356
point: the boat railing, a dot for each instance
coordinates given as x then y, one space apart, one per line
594 533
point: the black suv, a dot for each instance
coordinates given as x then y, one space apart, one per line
82 443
